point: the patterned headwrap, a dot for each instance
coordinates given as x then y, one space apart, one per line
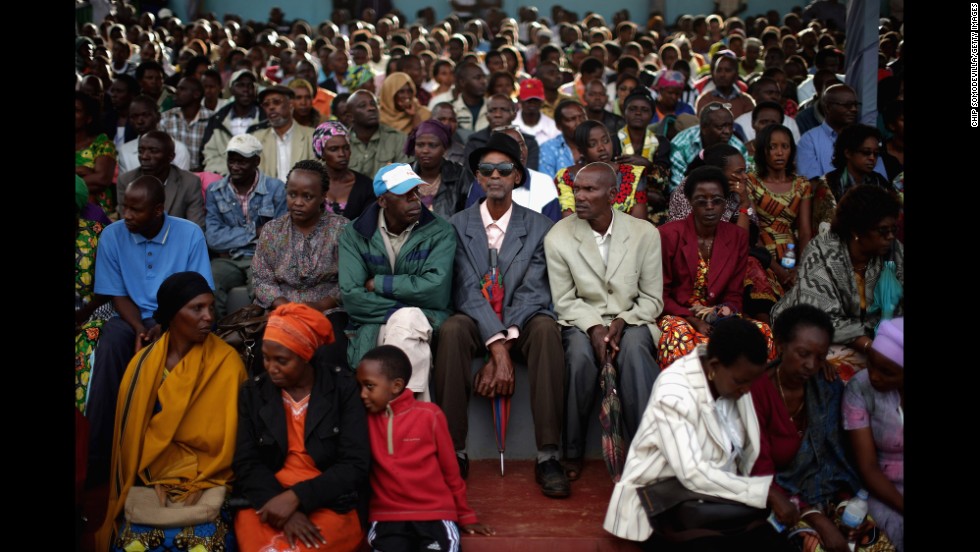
430 126
324 132
299 328
357 75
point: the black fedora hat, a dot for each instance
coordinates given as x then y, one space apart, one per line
502 143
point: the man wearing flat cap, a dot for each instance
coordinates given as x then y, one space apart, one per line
237 207
396 265
284 143
240 116
497 237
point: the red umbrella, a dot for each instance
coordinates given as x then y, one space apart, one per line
493 290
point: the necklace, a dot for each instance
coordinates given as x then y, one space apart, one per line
779 383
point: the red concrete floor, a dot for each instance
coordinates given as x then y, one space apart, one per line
525 519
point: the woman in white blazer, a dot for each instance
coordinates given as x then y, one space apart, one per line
700 427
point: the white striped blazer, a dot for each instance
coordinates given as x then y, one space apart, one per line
680 436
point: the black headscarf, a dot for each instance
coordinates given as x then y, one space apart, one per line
175 292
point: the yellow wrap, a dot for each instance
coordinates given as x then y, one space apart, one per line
187 445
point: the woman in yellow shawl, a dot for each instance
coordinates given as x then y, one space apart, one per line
400 109
175 428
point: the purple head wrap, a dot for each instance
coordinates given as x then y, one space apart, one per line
431 126
890 340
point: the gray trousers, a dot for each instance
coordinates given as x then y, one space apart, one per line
636 367
229 273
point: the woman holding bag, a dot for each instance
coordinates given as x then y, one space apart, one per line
704 263
175 428
699 434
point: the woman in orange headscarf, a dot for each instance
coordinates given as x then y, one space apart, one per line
175 429
400 109
302 454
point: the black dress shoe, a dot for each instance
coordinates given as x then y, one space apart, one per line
551 476
464 465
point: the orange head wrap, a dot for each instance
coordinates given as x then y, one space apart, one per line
299 328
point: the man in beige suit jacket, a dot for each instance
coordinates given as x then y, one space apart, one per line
283 142
604 267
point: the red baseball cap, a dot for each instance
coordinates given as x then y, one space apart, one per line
532 88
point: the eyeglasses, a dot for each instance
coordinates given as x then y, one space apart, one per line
868 152
846 105
486 169
885 231
705 201
716 106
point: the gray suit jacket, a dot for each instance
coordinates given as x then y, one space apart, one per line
587 292
521 262
184 197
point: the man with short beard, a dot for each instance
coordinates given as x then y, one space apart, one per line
284 142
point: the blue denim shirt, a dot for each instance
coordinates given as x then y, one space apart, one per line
225 228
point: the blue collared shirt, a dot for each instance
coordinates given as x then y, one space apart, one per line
816 150
130 265
555 155
226 229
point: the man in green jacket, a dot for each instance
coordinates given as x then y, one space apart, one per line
396 273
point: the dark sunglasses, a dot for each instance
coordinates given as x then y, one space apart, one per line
486 169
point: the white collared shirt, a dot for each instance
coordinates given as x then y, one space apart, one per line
602 241
284 150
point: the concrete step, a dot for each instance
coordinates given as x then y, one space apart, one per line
526 520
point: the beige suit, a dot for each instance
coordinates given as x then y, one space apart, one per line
680 436
586 292
301 148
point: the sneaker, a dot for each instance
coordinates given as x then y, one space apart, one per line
551 476
464 465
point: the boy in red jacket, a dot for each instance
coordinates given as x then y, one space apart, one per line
418 497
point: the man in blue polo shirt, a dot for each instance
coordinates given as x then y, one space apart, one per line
134 257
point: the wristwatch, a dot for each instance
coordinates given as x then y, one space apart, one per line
747 210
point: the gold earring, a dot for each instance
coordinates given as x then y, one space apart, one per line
711 376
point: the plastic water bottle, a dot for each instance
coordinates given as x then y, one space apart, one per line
854 513
789 258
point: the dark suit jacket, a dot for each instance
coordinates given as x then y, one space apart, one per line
726 271
480 139
184 198
521 262
336 437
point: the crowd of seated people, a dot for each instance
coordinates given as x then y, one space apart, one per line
698 205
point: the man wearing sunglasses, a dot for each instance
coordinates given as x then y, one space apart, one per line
815 152
500 239
606 277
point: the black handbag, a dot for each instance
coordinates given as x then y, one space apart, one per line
242 329
681 514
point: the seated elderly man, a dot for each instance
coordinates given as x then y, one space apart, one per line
501 243
606 277
237 207
396 265
716 127
284 142
182 188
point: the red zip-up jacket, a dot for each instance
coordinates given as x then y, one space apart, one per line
414 473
